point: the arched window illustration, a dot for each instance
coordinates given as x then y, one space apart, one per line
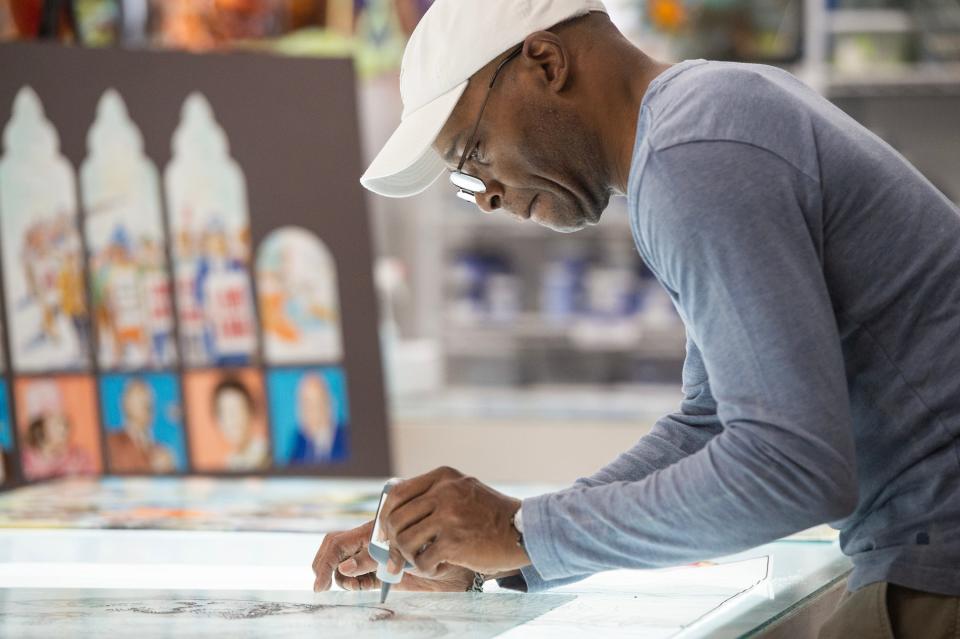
210 234
131 292
42 254
299 299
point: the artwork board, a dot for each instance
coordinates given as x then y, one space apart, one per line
182 198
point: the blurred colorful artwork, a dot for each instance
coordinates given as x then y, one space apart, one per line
58 427
309 413
6 437
131 291
42 257
193 503
143 419
299 299
209 225
227 420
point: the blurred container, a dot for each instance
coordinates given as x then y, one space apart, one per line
856 53
99 22
199 25
768 31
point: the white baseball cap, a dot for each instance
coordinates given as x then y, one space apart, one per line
454 40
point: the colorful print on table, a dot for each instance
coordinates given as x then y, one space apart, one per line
210 233
58 426
131 291
143 417
42 256
227 420
299 299
6 438
310 416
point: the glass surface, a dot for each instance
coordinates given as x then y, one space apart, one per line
156 559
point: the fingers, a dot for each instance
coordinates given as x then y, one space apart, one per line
359 564
335 548
432 558
397 561
359 583
414 539
412 488
410 513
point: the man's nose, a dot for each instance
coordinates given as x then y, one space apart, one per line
492 199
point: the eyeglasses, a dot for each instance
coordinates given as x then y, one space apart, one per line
468 186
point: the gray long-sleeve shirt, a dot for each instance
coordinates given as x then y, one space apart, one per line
818 276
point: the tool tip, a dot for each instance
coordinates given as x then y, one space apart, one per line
384 589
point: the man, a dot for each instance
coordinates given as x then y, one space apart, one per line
817 274
133 449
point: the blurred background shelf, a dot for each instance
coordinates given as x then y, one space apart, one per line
921 79
868 20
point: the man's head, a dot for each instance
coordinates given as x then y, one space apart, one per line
537 148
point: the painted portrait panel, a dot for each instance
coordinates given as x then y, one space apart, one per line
226 415
42 254
6 438
299 299
58 426
143 417
210 233
131 288
310 416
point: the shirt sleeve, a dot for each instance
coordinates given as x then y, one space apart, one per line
734 232
673 436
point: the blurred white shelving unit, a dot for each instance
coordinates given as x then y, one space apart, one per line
822 26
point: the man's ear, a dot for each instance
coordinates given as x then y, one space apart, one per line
547 52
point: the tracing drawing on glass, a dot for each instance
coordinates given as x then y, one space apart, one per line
30 613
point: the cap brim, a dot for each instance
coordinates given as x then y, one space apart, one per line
408 163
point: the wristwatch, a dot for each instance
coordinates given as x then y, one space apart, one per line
477 585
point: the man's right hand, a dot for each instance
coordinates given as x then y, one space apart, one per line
343 556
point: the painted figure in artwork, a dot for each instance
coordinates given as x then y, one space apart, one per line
234 410
133 449
48 449
209 219
126 243
222 290
299 298
47 315
320 437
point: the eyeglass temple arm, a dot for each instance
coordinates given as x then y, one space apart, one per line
483 105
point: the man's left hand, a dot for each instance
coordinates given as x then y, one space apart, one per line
445 517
